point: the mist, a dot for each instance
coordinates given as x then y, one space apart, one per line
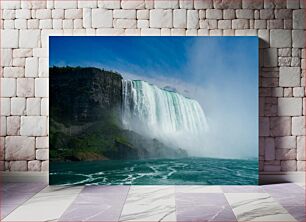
227 91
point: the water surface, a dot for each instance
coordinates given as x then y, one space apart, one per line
186 171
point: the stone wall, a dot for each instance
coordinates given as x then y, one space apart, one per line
26 26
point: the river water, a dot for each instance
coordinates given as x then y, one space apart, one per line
186 171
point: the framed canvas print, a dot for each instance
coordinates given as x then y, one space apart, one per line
153 110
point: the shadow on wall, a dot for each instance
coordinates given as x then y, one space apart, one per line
277 146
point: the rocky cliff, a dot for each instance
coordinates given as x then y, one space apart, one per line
85 119
83 94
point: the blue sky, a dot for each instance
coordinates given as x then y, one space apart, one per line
220 72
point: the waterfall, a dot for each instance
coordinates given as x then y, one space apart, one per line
162 114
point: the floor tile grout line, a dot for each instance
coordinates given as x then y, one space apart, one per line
71 202
229 204
127 194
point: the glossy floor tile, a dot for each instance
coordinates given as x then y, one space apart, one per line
38 202
203 207
257 207
47 205
149 203
97 203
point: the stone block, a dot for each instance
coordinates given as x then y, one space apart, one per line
43 67
3 129
285 142
285 154
87 4
19 148
125 23
25 87
179 18
298 92
298 126
124 14
42 142
63 4
280 126
13 125
283 13
240 24
165 4
269 149
301 166
73 13
228 14
102 18
41 87
298 19
224 24
186 4
10 5
18 166
19 62
293 4
160 18
45 165
192 19
34 165
214 14
290 106
13 72
23 14
18 106
6 57
8 14
42 154
9 38
288 165
29 38
245 14
45 107
33 126
289 76
301 148
142 23
252 4
109 4
31 67
5 106
22 53
227 4
143 14
264 126
58 13
298 38
134 4
203 4
43 13
280 38
33 106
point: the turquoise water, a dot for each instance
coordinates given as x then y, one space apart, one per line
187 171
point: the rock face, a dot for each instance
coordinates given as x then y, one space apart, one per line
94 92
85 119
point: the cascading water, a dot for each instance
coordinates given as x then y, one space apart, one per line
164 115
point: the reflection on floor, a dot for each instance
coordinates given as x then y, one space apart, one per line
39 202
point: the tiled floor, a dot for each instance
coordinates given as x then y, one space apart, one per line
39 202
